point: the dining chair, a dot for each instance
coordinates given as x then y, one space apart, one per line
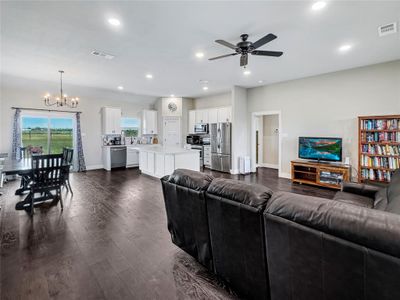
68 155
47 176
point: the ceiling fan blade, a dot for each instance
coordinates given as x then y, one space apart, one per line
222 56
267 53
266 39
226 44
243 60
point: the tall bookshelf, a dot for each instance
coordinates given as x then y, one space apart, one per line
378 148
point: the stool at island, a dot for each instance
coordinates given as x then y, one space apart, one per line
328 175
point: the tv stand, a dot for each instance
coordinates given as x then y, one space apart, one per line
324 174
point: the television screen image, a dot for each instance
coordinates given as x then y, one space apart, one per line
329 149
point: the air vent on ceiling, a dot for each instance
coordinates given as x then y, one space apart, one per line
387 29
102 54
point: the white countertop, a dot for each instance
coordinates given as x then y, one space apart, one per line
156 148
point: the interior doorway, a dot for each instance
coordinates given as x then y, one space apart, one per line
172 131
266 140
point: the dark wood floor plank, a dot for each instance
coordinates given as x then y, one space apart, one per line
110 242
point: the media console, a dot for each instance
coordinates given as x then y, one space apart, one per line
328 175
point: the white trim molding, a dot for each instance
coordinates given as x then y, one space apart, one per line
253 139
94 167
271 166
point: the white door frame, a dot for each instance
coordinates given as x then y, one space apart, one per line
179 119
254 116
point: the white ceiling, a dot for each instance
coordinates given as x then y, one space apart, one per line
39 38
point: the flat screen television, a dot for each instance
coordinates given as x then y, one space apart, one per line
320 148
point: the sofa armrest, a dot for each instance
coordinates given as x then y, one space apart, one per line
362 189
371 228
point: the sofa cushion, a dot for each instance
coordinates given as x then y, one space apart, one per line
254 195
354 199
381 200
191 179
393 194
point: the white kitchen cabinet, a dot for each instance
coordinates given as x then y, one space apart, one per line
192 120
149 122
111 120
132 157
213 115
143 161
160 165
202 116
224 114
151 162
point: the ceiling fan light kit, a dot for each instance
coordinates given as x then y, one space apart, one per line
245 47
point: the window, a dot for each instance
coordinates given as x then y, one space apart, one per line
130 127
51 133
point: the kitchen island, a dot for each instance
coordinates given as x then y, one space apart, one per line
158 161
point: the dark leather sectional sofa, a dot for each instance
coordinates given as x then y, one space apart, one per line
287 246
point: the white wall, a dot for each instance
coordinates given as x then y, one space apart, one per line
270 142
328 105
240 128
213 101
187 104
21 92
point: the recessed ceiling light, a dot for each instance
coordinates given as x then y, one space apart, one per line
205 88
149 76
120 87
345 48
260 81
199 54
172 95
246 72
318 5
114 22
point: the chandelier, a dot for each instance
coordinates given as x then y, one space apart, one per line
63 100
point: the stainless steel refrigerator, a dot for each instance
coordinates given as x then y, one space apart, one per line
220 138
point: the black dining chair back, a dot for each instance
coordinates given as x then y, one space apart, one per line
47 176
68 155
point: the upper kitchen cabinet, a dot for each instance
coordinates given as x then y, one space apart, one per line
149 122
111 120
213 115
224 114
202 116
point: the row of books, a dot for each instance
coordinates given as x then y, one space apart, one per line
380 162
381 149
390 124
369 174
381 137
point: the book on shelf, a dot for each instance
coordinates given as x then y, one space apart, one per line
380 149
392 163
380 124
376 175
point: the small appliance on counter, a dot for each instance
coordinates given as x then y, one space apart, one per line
111 140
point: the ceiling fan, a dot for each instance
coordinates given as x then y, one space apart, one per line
245 47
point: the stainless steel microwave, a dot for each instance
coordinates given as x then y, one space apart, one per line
201 128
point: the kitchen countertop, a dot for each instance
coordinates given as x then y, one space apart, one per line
156 148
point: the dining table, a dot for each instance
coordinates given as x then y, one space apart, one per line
22 167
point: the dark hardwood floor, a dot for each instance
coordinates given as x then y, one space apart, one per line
110 242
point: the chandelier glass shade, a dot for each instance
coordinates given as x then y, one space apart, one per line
63 99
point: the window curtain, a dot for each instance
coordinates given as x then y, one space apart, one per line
81 158
17 138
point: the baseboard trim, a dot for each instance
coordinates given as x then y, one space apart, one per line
271 166
285 175
94 167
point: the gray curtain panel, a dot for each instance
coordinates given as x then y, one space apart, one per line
81 157
16 140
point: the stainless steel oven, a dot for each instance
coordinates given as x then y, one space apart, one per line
201 128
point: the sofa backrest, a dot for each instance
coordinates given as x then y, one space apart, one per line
388 199
324 249
237 235
186 207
